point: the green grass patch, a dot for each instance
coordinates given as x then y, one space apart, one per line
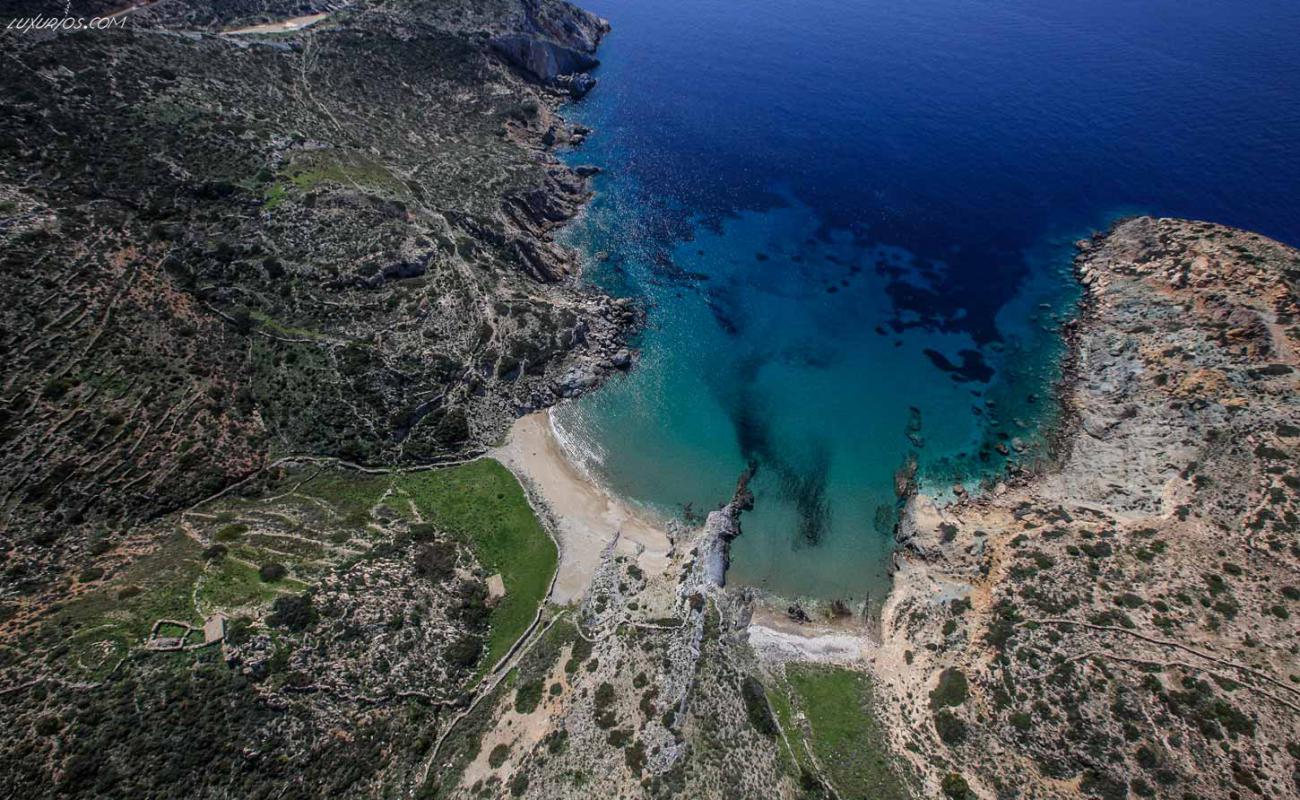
351 169
159 587
275 326
233 584
780 701
350 493
845 736
97 628
483 504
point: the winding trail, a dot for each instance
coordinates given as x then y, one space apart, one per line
283 26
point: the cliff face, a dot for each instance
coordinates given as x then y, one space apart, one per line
1126 620
336 241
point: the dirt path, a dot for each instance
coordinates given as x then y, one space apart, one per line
283 26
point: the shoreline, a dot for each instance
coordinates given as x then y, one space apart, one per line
587 519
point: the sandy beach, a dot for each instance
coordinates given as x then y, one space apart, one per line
587 517
778 638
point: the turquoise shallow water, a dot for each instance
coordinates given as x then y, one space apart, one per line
824 403
852 227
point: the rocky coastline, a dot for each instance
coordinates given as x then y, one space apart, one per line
1117 620
335 241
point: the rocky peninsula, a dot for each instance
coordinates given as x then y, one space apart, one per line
1122 623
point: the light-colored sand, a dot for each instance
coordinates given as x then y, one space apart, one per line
283 26
776 637
588 518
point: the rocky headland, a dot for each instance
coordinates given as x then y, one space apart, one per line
1122 623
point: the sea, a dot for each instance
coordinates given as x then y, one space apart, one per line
852 227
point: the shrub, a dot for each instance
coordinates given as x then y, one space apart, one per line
951 690
56 388
635 757
473 610
272 572
231 532
1130 600
294 612
464 652
760 716
1097 550
435 561
527 696
1096 784
950 728
604 700
619 737
557 741
498 755
955 787
215 553
238 631
90 574
581 652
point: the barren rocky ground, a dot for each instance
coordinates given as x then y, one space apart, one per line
1124 623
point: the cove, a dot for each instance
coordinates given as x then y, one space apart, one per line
852 227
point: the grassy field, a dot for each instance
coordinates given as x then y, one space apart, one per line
844 734
483 504
479 503
99 627
231 585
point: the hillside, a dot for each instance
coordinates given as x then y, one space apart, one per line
220 249
1125 620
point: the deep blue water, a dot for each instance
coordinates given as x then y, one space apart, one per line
852 224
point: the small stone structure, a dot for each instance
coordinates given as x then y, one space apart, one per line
496 587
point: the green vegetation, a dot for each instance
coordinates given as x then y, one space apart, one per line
756 706
843 732
951 689
464 742
950 727
955 787
483 505
604 701
498 755
352 494
233 584
98 628
311 169
527 696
